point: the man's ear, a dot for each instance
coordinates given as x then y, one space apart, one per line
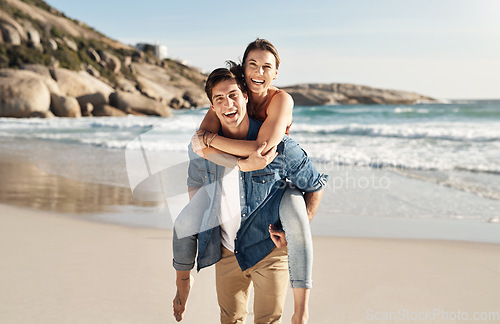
245 95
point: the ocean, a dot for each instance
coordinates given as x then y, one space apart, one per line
427 162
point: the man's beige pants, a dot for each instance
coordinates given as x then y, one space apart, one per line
270 281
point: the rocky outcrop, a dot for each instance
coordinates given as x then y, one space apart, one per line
83 65
23 94
342 93
130 102
165 84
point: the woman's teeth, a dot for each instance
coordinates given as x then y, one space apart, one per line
258 81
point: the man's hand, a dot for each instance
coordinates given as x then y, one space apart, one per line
257 161
184 283
278 237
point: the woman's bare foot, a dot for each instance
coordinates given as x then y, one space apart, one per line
299 319
184 284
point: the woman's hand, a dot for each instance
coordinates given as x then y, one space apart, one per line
278 237
257 161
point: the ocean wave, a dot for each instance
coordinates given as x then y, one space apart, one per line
437 131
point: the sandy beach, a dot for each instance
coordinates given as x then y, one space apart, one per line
59 269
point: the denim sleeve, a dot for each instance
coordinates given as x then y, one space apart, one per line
184 252
300 170
194 180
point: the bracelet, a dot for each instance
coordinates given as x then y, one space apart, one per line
204 142
210 141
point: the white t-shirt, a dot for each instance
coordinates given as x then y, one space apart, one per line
230 210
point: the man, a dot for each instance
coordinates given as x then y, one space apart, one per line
238 241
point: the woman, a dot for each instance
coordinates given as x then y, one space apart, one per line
274 108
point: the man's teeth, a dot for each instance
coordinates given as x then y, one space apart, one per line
258 81
230 113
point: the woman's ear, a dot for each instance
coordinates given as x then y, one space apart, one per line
275 75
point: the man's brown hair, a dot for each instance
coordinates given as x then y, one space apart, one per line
219 75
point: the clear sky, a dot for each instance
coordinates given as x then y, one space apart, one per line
441 48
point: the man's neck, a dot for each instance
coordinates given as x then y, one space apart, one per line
240 132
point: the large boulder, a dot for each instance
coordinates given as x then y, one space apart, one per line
22 94
126 85
112 62
96 99
63 106
76 84
9 27
130 102
43 73
93 55
87 109
70 43
107 110
10 34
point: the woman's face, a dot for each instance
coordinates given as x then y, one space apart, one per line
260 70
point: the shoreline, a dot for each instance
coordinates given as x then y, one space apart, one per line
344 212
57 269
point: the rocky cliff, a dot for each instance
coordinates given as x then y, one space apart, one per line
341 93
52 65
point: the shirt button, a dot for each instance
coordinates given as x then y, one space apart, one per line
243 215
235 251
263 181
241 178
242 197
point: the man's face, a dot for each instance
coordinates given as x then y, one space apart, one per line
229 103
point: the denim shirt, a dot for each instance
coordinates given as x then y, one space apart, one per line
260 196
